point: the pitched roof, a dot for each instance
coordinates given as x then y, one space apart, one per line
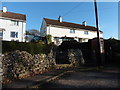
13 15
70 25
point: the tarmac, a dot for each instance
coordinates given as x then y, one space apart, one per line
37 80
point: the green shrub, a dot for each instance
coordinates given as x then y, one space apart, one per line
32 48
49 38
113 43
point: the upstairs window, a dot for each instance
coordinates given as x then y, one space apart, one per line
72 31
14 34
86 32
14 22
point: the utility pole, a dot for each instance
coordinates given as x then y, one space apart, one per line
98 37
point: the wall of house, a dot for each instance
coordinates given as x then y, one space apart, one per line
43 29
62 32
9 27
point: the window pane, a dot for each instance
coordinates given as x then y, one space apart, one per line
1 34
15 22
16 34
12 34
72 31
86 32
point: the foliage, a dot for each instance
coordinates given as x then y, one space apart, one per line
113 43
49 38
74 45
33 32
27 32
32 48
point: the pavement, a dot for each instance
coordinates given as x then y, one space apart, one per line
37 80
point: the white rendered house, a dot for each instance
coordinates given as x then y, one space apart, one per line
61 31
12 26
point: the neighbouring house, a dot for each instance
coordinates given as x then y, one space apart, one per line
62 31
12 26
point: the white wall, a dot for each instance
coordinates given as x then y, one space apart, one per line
43 29
61 32
7 25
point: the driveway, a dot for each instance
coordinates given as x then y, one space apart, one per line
107 78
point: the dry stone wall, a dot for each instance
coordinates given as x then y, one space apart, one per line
75 57
20 64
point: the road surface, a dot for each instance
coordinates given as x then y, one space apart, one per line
108 78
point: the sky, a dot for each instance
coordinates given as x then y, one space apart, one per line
75 12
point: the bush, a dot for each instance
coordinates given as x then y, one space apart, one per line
114 44
32 48
49 38
74 45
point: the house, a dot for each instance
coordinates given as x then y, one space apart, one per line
12 26
61 31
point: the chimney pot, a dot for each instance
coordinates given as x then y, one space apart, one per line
84 23
60 19
4 9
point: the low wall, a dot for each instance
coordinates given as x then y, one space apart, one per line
21 64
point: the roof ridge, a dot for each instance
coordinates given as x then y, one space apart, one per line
71 23
13 13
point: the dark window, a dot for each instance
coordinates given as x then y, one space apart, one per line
14 34
86 32
1 34
14 22
72 31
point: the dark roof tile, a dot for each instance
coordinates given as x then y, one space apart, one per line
13 15
70 25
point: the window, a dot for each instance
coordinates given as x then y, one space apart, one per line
72 31
1 34
14 22
14 34
86 32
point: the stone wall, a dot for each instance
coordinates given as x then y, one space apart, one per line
21 64
69 56
75 57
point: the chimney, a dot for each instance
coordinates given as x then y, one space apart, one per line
4 9
60 19
84 23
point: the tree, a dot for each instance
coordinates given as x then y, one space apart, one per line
33 32
27 32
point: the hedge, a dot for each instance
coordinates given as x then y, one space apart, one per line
74 45
113 43
32 47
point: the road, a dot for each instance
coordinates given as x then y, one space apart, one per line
107 78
